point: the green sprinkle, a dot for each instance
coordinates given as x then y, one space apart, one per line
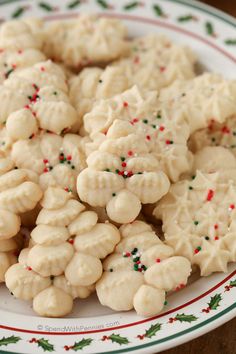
207 238
234 133
69 162
144 267
100 81
165 302
145 121
113 194
159 115
122 158
139 173
213 139
107 170
73 167
154 126
111 270
199 248
193 177
190 188
117 171
196 222
55 93
136 259
135 250
135 266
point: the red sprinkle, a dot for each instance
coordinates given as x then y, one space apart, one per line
130 153
225 130
42 68
45 170
45 161
29 268
27 106
69 157
136 60
216 238
130 174
168 142
125 104
162 69
162 128
216 226
135 120
232 206
13 66
196 251
20 51
210 195
71 241
158 260
148 137
124 164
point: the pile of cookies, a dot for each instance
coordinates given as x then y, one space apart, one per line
117 166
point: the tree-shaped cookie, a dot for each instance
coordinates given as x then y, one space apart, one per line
140 272
98 40
198 216
63 261
205 98
19 193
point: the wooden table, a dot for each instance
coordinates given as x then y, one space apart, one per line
223 339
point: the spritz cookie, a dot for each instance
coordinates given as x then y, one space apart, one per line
63 262
140 272
162 131
203 99
156 62
56 159
99 40
198 219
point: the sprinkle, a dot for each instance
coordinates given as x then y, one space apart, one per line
135 120
125 104
55 93
198 249
165 302
225 130
28 268
148 137
45 170
145 121
216 238
216 226
111 270
231 207
135 250
72 167
196 222
130 153
207 238
117 171
168 142
122 158
190 188
154 126
136 60
27 106
69 157
42 68
107 170
158 260
113 194
162 128
193 177
100 81
210 195
159 115
71 241
130 174
162 69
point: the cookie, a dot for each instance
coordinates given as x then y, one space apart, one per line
203 99
19 193
140 272
155 62
162 131
63 261
19 35
99 40
198 219
56 159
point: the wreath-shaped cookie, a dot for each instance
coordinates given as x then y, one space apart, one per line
64 260
140 272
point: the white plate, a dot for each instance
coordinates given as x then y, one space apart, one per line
197 309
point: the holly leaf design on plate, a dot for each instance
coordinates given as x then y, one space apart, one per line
232 283
19 11
185 318
9 340
187 18
45 345
81 344
210 29
131 5
215 301
149 333
46 6
117 338
103 4
73 4
230 41
158 11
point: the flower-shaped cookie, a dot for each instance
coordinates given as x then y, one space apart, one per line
86 40
155 62
56 159
35 99
216 134
163 132
198 219
19 193
140 272
64 260
207 97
